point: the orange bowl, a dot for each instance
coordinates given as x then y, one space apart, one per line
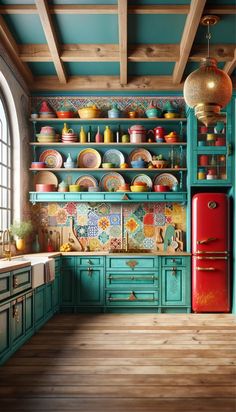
45 187
140 183
65 115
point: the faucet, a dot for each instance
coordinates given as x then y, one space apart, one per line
6 244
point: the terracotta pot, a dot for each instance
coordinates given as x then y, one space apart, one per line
20 244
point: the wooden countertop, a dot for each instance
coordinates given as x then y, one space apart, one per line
8 265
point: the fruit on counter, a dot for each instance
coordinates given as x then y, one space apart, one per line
65 247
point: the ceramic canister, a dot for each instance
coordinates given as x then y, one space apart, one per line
203 160
137 134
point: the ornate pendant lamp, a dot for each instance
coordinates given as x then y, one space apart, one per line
208 89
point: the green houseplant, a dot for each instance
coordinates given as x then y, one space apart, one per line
21 229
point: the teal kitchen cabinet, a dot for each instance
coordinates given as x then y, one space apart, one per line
67 284
48 290
5 285
21 280
210 151
175 284
29 313
89 275
39 306
5 343
132 282
17 320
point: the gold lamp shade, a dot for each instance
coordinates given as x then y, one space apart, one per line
208 89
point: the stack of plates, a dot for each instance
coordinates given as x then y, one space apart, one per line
69 138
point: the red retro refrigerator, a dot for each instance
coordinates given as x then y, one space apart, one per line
210 253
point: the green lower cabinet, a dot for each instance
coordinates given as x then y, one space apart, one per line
29 313
56 293
67 282
175 283
17 320
132 298
5 310
48 299
39 294
89 286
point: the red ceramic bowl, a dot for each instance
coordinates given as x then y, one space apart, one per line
65 115
45 187
161 188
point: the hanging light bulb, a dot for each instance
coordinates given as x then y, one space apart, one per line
208 89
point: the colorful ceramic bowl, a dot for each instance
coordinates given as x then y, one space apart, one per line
136 188
138 164
65 115
161 188
74 188
37 165
89 112
108 165
45 187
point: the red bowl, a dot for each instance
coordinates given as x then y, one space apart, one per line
65 115
161 188
36 165
45 187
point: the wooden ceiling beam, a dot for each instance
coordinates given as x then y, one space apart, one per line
123 39
231 65
189 33
220 9
110 52
11 47
50 35
99 83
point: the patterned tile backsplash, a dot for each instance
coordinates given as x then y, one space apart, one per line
104 226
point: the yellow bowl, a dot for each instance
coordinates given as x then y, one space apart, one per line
74 188
170 115
137 188
89 112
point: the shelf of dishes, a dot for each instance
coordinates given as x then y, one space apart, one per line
128 144
103 119
126 197
47 181
90 158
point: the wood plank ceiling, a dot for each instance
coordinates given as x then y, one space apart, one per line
55 52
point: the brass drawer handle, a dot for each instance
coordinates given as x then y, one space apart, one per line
15 314
89 261
15 282
137 277
132 263
174 269
128 300
90 271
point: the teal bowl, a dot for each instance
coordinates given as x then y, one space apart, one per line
153 112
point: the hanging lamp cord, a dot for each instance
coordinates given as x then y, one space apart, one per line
208 37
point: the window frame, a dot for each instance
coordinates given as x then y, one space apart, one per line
9 167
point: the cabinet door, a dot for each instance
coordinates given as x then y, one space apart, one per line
56 293
173 289
17 320
48 298
4 329
89 282
29 312
67 282
39 304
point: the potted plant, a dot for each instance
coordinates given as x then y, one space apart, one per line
21 229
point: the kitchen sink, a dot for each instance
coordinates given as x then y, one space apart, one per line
37 268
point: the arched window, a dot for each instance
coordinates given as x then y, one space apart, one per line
5 168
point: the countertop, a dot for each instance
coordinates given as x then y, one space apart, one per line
8 265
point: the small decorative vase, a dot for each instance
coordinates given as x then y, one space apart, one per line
20 244
98 137
108 135
36 245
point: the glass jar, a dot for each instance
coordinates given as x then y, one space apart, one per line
201 173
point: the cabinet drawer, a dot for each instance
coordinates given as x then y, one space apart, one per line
134 263
4 285
90 261
21 280
131 298
173 261
130 278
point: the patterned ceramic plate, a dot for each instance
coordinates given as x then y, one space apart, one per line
113 156
89 158
166 179
110 182
140 154
45 177
143 178
86 181
52 158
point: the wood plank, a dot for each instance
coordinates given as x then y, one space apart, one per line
75 366
50 34
96 83
11 47
220 52
188 36
122 24
230 65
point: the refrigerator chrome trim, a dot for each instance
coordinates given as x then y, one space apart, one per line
212 252
211 257
210 269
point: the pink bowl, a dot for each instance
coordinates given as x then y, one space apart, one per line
161 188
36 165
45 187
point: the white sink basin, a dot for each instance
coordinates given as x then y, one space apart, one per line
37 269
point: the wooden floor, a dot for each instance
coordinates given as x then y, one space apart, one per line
125 363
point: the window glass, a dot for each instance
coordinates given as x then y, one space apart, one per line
5 168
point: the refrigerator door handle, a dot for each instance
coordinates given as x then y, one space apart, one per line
210 269
212 257
205 241
201 252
